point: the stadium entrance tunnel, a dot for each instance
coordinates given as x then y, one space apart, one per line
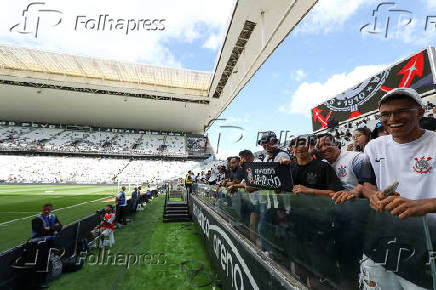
176 207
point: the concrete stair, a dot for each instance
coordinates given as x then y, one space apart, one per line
176 211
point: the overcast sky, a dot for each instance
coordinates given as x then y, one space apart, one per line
323 56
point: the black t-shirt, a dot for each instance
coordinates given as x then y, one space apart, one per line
227 173
427 123
237 174
317 175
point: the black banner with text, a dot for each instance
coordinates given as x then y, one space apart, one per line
268 175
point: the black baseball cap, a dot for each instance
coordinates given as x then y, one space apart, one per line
267 137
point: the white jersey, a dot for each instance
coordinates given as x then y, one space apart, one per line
344 168
411 164
280 155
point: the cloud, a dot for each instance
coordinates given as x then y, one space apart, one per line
328 15
431 4
415 33
298 75
223 154
213 42
185 22
236 120
308 95
406 27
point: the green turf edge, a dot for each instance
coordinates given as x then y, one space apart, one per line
146 234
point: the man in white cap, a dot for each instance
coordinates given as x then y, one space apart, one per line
406 156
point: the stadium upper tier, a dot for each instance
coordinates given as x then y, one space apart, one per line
17 138
81 170
72 89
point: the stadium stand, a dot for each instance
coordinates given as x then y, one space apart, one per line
141 171
18 138
85 170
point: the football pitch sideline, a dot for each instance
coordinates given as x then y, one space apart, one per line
20 203
149 254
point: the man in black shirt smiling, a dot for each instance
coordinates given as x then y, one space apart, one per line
236 174
311 175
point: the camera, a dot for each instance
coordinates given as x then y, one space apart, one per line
100 211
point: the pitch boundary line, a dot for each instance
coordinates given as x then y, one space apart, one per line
14 220
74 205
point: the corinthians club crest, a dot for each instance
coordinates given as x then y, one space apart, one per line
422 165
250 175
351 99
342 171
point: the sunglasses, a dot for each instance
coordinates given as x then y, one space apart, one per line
304 141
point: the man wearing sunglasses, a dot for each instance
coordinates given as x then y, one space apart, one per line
270 144
406 155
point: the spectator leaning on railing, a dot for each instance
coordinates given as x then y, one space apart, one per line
236 174
352 168
248 156
270 144
406 156
244 156
312 176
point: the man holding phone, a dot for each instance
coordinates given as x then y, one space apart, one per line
403 164
406 155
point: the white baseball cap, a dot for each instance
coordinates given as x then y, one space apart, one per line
408 92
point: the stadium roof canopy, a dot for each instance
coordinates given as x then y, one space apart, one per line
51 87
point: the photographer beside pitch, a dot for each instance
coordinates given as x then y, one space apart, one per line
106 227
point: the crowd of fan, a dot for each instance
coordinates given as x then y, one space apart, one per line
87 170
353 165
14 138
344 133
392 166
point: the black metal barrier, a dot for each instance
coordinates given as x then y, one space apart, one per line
311 239
66 240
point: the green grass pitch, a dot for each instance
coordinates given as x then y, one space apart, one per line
20 203
146 233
